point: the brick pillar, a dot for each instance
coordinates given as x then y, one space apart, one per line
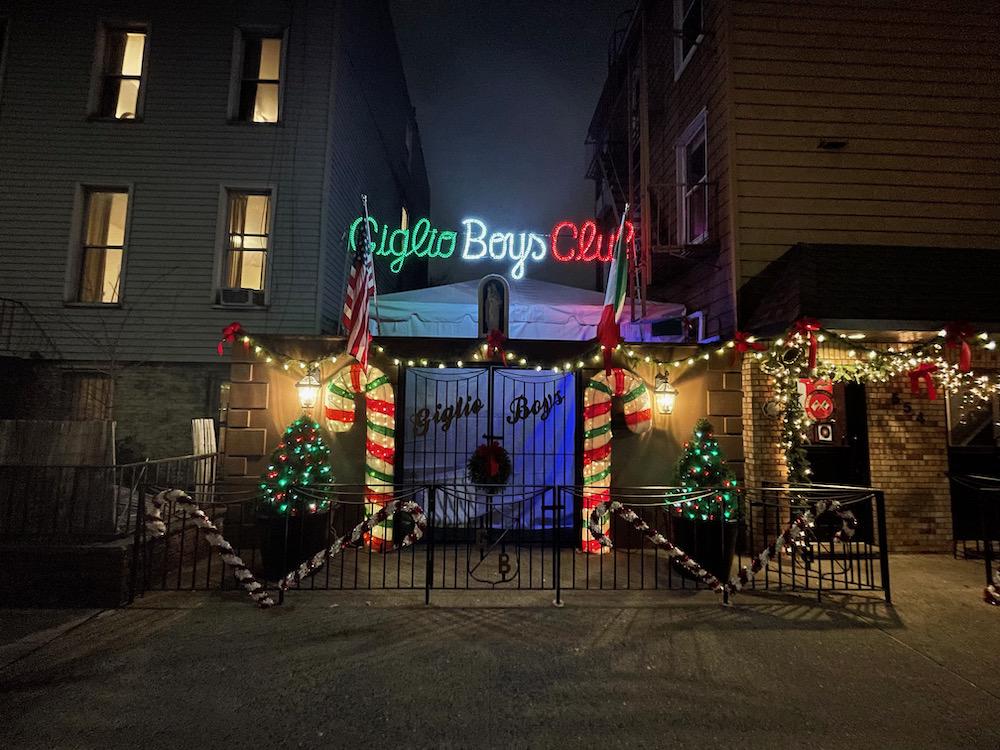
909 461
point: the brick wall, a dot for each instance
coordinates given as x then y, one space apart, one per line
908 457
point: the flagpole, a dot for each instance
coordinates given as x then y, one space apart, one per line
370 247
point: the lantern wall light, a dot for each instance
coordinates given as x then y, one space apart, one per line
308 390
665 394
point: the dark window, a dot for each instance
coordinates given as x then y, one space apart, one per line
121 74
260 78
691 26
88 395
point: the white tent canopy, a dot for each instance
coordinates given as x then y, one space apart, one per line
538 311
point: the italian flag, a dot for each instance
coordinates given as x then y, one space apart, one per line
608 333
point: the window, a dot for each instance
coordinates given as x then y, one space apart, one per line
693 188
688 31
102 245
247 241
122 57
404 219
260 68
973 422
88 395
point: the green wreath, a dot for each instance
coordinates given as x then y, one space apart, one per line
489 467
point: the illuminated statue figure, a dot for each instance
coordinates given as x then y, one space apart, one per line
494 307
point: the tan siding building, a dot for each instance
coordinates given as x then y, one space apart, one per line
852 154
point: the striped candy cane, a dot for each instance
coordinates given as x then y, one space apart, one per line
597 438
380 442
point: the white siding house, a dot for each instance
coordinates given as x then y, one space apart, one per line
166 170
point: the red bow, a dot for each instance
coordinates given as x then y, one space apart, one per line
494 344
229 334
924 372
742 344
807 327
491 452
956 334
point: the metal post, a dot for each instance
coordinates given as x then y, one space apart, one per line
137 537
987 542
883 546
557 506
429 574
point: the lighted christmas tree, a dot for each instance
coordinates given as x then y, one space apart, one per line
702 466
299 460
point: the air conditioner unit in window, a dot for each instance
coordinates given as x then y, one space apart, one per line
248 297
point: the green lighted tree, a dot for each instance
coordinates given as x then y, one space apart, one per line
702 466
300 459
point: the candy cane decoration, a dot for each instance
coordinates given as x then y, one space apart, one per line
157 528
380 442
362 530
597 439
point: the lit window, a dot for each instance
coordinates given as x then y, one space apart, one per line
404 219
248 234
121 74
103 246
688 31
693 187
260 78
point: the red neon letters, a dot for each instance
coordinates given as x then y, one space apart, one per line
585 244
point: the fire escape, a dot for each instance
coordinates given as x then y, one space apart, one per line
674 215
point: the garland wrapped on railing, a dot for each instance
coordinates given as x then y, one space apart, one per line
357 535
157 528
794 535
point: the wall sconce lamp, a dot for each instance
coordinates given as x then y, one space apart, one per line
665 395
308 389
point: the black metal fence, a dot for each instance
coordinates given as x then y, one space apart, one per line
518 538
852 560
976 518
89 503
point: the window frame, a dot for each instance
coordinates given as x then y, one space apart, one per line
97 74
695 131
222 244
680 59
75 264
240 34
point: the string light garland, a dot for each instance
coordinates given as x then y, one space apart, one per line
786 359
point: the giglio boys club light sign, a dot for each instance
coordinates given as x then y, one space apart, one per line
568 242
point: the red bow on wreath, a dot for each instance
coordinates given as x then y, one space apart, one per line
923 373
743 342
807 327
229 334
494 344
492 452
955 334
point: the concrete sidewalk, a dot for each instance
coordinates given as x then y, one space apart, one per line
500 669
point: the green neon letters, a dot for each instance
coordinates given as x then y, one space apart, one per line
421 241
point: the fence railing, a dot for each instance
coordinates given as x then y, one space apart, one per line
976 517
518 538
91 503
830 561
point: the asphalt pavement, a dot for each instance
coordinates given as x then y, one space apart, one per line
509 670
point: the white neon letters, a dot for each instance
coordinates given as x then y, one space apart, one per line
568 242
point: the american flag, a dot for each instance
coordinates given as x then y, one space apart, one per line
360 291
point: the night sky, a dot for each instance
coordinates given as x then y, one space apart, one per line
504 93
